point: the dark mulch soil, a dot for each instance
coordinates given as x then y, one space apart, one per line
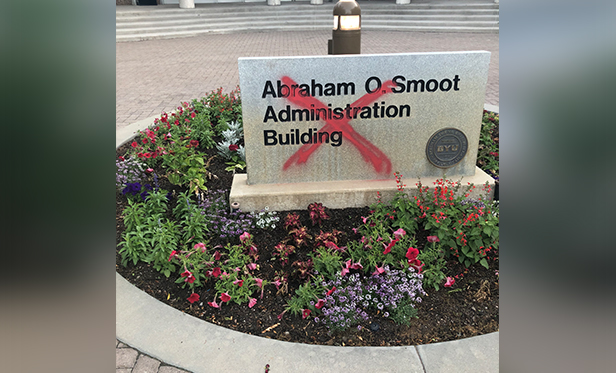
467 309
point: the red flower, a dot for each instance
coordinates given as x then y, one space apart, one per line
134 144
172 255
217 255
433 239
329 292
412 253
145 140
388 248
216 272
320 304
233 147
194 143
238 282
189 277
225 297
305 313
193 298
121 158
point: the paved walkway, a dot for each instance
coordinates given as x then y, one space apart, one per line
156 75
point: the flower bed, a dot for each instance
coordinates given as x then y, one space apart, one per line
412 271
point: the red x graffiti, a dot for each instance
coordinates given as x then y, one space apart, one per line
369 151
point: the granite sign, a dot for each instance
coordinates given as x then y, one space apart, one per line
361 117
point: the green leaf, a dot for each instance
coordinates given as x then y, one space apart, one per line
484 263
487 230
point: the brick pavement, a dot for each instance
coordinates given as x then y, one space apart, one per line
156 75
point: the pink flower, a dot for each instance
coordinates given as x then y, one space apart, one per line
356 265
378 271
354 230
216 255
320 303
244 236
412 253
252 266
238 282
225 297
344 272
193 298
331 245
216 272
277 283
213 304
149 169
433 239
252 302
259 282
450 281
305 313
399 233
329 292
172 255
364 219
201 246
415 263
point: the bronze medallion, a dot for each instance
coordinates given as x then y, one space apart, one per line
446 147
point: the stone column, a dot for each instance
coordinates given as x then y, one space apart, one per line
273 2
316 2
403 1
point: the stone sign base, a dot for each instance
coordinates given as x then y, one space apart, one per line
335 194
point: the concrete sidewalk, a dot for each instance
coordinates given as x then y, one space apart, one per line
156 75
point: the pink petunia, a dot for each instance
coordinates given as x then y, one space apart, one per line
259 282
238 282
305 313
213 304
356 265
244 236
415 263
193 298
433 239
252 302
252 266
399 233
329 292
216 255
320 303
216 272
225 297
378 271
200 246
344 272
450 282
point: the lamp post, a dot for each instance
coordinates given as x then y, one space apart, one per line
346 35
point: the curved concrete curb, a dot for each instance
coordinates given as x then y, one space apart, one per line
189 343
